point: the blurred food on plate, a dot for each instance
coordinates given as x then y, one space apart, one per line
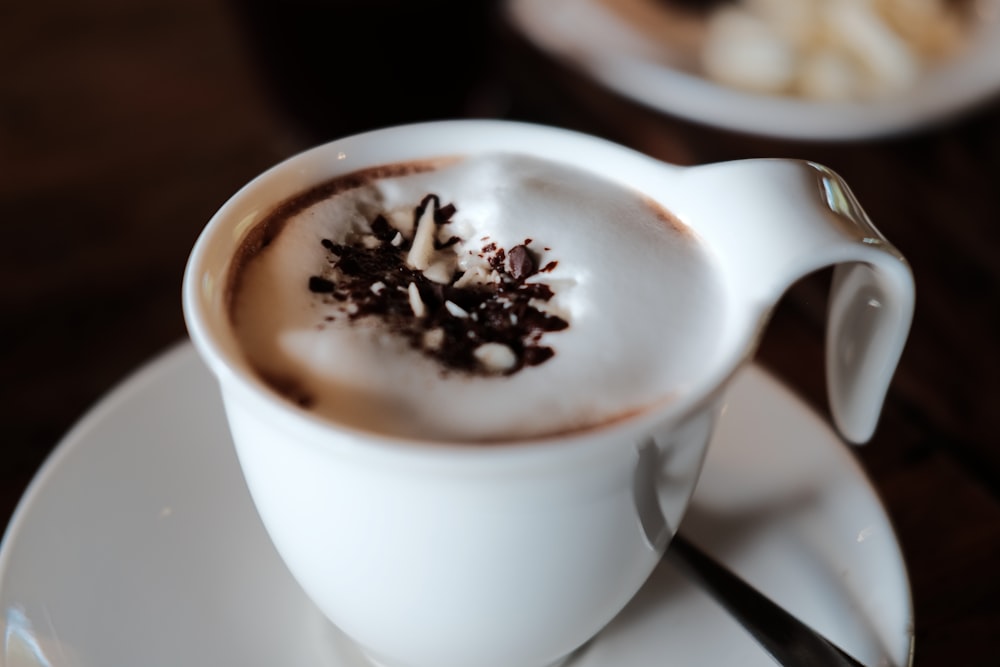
818 49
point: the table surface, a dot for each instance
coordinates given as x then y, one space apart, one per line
124 125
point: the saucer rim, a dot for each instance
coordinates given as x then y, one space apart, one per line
153 371
147 372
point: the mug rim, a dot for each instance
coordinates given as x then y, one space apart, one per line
220 350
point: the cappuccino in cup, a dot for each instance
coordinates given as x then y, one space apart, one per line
471 368
480 298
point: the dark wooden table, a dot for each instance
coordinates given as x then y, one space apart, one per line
124 125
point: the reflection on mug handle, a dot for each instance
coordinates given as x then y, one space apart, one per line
776 221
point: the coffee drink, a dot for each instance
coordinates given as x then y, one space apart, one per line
471 395
482 298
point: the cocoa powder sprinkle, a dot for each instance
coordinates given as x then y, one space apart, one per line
504 314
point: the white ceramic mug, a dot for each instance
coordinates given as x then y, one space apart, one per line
431 555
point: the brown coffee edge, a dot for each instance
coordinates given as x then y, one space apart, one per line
265 231
664 215
575 430
262 233
291 390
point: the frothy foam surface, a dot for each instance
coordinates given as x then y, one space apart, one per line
633 287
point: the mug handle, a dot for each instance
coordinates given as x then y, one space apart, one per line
775 221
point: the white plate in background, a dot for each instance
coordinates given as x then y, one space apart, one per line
591 37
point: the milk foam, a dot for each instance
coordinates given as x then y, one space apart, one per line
635 286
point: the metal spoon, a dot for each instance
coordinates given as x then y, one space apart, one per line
789 641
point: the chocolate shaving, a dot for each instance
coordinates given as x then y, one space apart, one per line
381 228
439 245
497 260
320 285
497 312
443 214
520 263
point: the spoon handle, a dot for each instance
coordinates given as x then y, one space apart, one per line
789 641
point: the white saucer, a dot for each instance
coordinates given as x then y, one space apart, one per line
137 544
632 61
